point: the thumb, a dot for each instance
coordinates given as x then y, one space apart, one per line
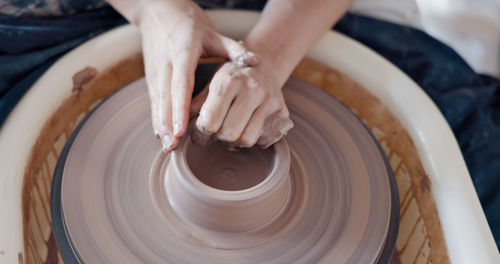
234 50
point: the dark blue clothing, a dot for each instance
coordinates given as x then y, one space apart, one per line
469 101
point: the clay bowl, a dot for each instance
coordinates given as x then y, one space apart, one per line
227 190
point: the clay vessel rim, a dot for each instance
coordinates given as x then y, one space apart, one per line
278 174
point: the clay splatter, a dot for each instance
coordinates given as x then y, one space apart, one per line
82 77
424 182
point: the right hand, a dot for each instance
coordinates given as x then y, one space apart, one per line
243 106
175 34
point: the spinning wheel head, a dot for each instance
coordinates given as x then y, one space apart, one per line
325 193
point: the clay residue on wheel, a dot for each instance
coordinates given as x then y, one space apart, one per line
82 77
228 170
327 195
425 183
52 250
38 170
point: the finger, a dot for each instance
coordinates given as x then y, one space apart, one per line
168 140
239 53
198 102
237 117
154 117
201 97
154 84
276 126
153 98
234 50
200 139
222 91
184 66
255 126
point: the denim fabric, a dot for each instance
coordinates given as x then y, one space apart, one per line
469 101
28 46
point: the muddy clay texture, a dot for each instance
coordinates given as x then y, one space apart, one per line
228 190
231 170
124 201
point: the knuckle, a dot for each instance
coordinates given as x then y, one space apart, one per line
248 140
283 112
257 89
233 80
227 135
257 92
205 125
272 103
254 84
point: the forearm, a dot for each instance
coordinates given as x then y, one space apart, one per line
288 28
133 9
126 8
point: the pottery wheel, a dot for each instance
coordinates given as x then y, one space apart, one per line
110 204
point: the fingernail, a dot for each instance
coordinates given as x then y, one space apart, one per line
253 59
167 143
223 137
177 128
204 131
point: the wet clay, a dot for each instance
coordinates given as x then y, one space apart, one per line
221 200
82 77
230 170
124 201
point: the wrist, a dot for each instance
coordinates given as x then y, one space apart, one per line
130 9
274 59
147 9
137 11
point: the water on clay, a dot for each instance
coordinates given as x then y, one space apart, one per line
218 167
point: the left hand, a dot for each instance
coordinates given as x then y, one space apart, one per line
243 105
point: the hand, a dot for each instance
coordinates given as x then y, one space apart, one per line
244 105
175 34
